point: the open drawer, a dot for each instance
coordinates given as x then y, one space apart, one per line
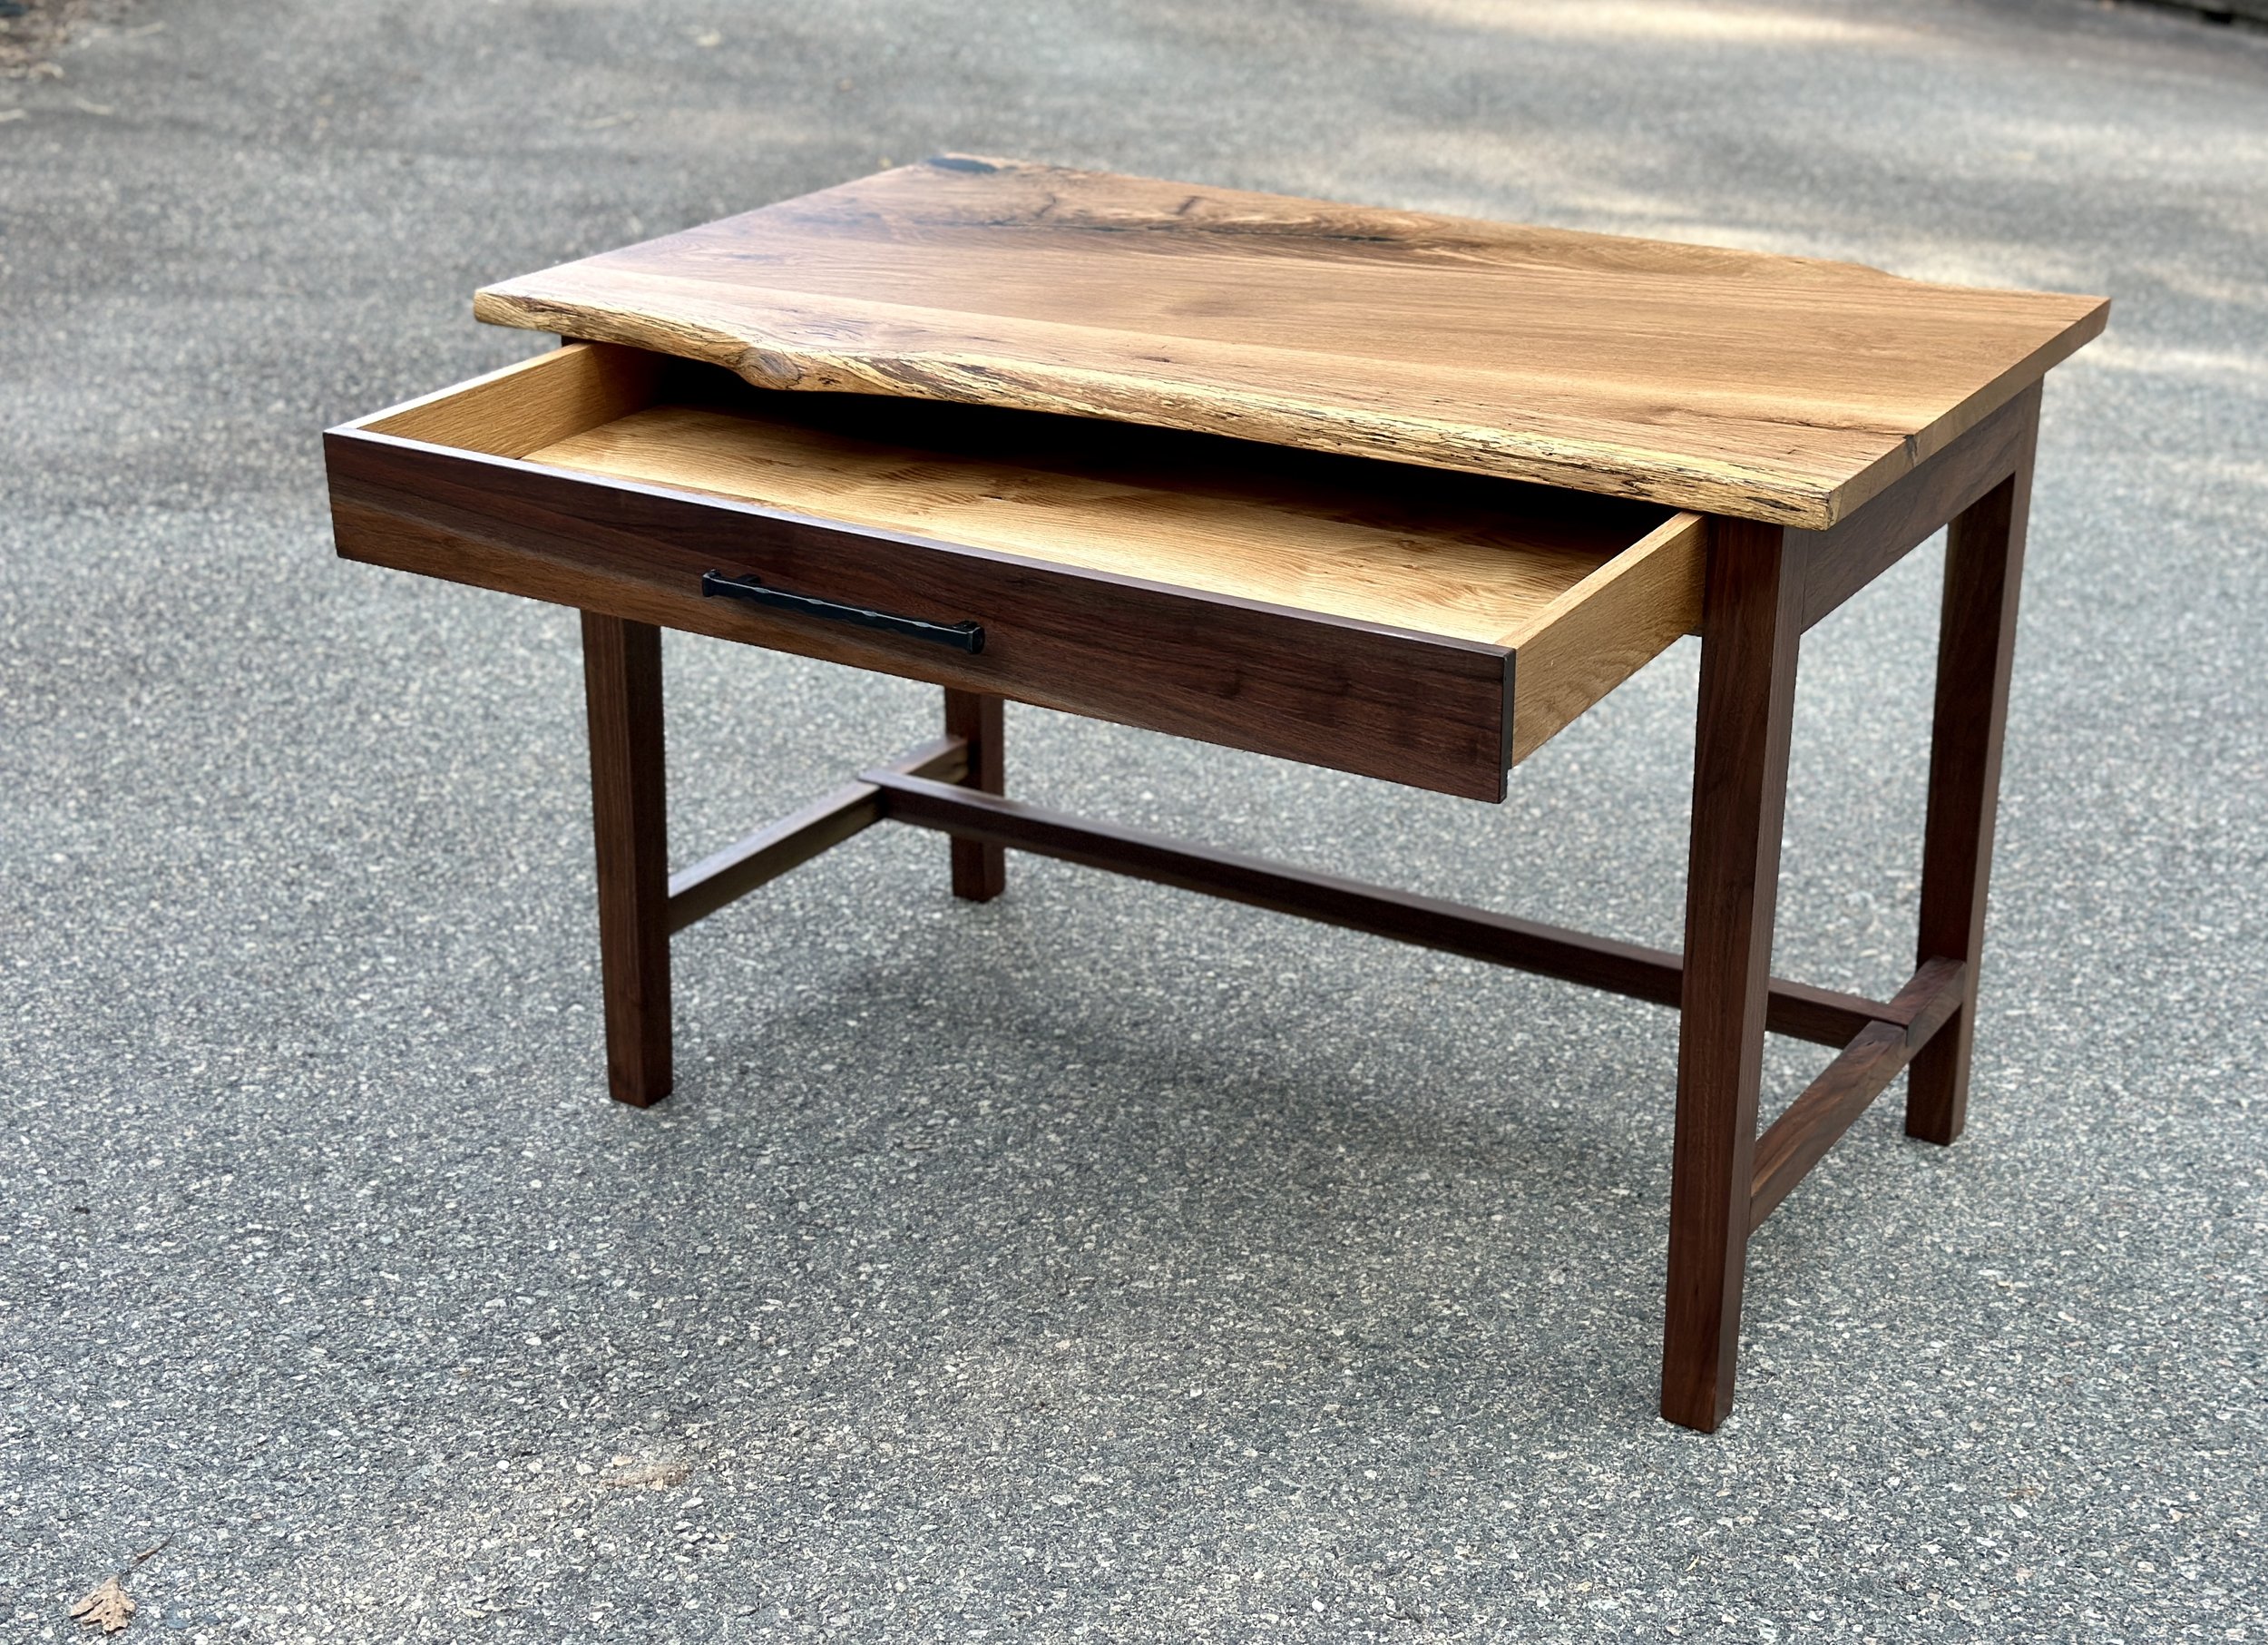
1410 623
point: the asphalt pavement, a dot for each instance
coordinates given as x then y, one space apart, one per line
1101 1263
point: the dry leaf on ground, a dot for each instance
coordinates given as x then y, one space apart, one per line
109 1607
30 29
629 1474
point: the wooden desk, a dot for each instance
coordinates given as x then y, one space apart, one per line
1394 493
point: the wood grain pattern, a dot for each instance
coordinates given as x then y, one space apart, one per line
980 872
1751 622
1630 969
1734 382
1841 561
1984 570
1352 539
1606 628
622 671
531 404
1800 1138
726 874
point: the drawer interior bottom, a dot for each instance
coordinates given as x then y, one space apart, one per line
1407 548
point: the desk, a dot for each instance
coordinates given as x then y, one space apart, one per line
1395 494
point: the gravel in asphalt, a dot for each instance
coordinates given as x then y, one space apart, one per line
1101 1263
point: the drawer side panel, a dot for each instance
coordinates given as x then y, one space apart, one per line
1607 628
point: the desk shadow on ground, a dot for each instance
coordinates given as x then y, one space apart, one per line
1151 1156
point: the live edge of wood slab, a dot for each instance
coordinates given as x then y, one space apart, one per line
1775 388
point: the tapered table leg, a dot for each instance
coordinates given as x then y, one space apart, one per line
1751 621
621 673
980 872
1984 563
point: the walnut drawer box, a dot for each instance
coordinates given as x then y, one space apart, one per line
1426 627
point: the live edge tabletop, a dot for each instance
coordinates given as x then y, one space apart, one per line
1397 494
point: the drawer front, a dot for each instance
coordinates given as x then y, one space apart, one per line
1427 710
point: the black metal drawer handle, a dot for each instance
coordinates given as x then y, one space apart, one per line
961 636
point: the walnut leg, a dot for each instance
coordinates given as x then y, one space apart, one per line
1984 563
980 872
1752 619
621 673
